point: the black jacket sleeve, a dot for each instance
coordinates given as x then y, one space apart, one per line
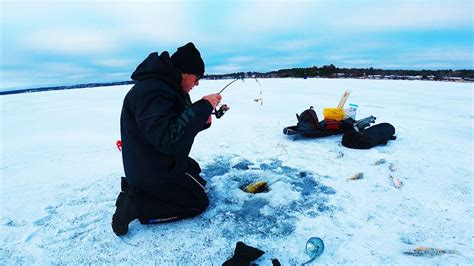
168 131
206 126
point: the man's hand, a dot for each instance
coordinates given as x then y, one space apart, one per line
213 99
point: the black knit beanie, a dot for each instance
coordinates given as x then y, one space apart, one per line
188 59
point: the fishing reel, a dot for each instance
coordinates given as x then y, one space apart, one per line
219 113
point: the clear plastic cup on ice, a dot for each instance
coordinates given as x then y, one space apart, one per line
351 111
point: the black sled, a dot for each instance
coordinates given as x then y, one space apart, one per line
317 133
290 131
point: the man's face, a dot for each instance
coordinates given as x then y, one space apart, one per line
188 82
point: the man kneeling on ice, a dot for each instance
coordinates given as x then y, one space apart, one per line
158 125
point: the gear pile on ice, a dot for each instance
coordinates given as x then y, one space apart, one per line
358 134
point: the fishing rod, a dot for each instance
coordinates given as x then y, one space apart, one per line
228 85
224 108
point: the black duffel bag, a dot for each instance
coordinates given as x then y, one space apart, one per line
375 135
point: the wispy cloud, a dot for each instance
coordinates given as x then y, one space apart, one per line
269 16
161 23
295 44
404 15
113 62
55 74
102 40
70 41
437 54
226 68
448 57
231 65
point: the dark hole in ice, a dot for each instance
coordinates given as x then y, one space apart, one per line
238 215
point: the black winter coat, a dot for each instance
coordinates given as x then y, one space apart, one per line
158 124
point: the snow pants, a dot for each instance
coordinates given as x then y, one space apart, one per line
172 201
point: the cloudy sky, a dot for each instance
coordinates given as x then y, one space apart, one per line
49 43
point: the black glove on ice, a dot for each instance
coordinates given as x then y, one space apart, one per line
243 255
275 262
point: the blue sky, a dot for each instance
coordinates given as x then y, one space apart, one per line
49 43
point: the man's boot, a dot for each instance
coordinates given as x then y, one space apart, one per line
126 210
123 192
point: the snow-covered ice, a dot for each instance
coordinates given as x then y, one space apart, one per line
60 175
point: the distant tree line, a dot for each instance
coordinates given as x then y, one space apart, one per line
327 71
77 86
331 71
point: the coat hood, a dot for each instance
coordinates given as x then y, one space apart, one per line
158 66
